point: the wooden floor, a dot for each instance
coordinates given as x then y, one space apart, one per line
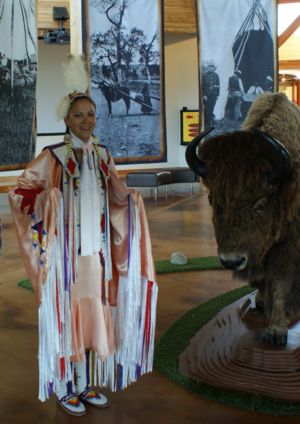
180 222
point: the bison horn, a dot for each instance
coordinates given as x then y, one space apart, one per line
197 165
282 164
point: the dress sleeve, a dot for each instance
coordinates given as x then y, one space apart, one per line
124 204
34 204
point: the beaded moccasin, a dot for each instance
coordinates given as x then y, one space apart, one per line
72 405
93 398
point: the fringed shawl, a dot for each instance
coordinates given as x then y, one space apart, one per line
44 209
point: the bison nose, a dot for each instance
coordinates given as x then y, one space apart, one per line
234 262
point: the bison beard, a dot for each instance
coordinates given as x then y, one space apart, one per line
253 182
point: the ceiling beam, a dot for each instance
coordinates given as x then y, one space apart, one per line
288 1
289 64
289 31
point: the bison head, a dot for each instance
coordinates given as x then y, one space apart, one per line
249 178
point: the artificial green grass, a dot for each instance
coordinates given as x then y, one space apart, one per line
193 264
165 266
25 284
178 336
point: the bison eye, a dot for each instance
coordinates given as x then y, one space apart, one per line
260 205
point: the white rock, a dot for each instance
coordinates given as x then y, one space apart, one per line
178 258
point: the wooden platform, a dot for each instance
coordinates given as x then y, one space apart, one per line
229 353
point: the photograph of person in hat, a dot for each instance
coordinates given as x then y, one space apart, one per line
235 96
210 91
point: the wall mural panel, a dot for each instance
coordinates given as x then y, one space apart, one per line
18 71
123 42
238 58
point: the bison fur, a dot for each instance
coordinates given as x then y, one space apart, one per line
256 217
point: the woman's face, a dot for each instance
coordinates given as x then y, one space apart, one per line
81 119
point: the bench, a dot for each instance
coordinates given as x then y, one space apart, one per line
152 178
161 177
184 175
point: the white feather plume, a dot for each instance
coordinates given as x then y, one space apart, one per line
74 73
75 79
62 108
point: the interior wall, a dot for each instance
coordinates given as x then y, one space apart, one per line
181 89
50 86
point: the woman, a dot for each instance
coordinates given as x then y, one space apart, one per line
86 248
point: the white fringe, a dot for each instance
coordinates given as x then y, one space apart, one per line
128 317
107 249
73 234
129 324
54 331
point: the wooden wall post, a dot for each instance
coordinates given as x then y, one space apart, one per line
76 27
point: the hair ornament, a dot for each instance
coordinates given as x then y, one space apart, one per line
76 83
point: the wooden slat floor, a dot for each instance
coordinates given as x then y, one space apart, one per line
180 222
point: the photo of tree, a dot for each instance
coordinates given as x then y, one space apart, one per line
122 42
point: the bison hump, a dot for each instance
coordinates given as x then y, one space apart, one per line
276 115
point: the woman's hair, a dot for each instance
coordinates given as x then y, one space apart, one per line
79 97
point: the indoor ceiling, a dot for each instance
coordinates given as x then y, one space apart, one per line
289 38
180 17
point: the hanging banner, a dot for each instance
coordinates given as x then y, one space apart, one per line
238 58
18 70
123 42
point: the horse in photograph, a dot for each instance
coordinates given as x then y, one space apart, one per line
113 93
253 178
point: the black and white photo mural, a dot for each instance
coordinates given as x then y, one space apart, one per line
238 58
122 43
18 71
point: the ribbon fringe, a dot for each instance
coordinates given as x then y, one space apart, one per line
133 318
55 344
134 321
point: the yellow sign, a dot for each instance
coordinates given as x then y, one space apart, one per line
189 125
